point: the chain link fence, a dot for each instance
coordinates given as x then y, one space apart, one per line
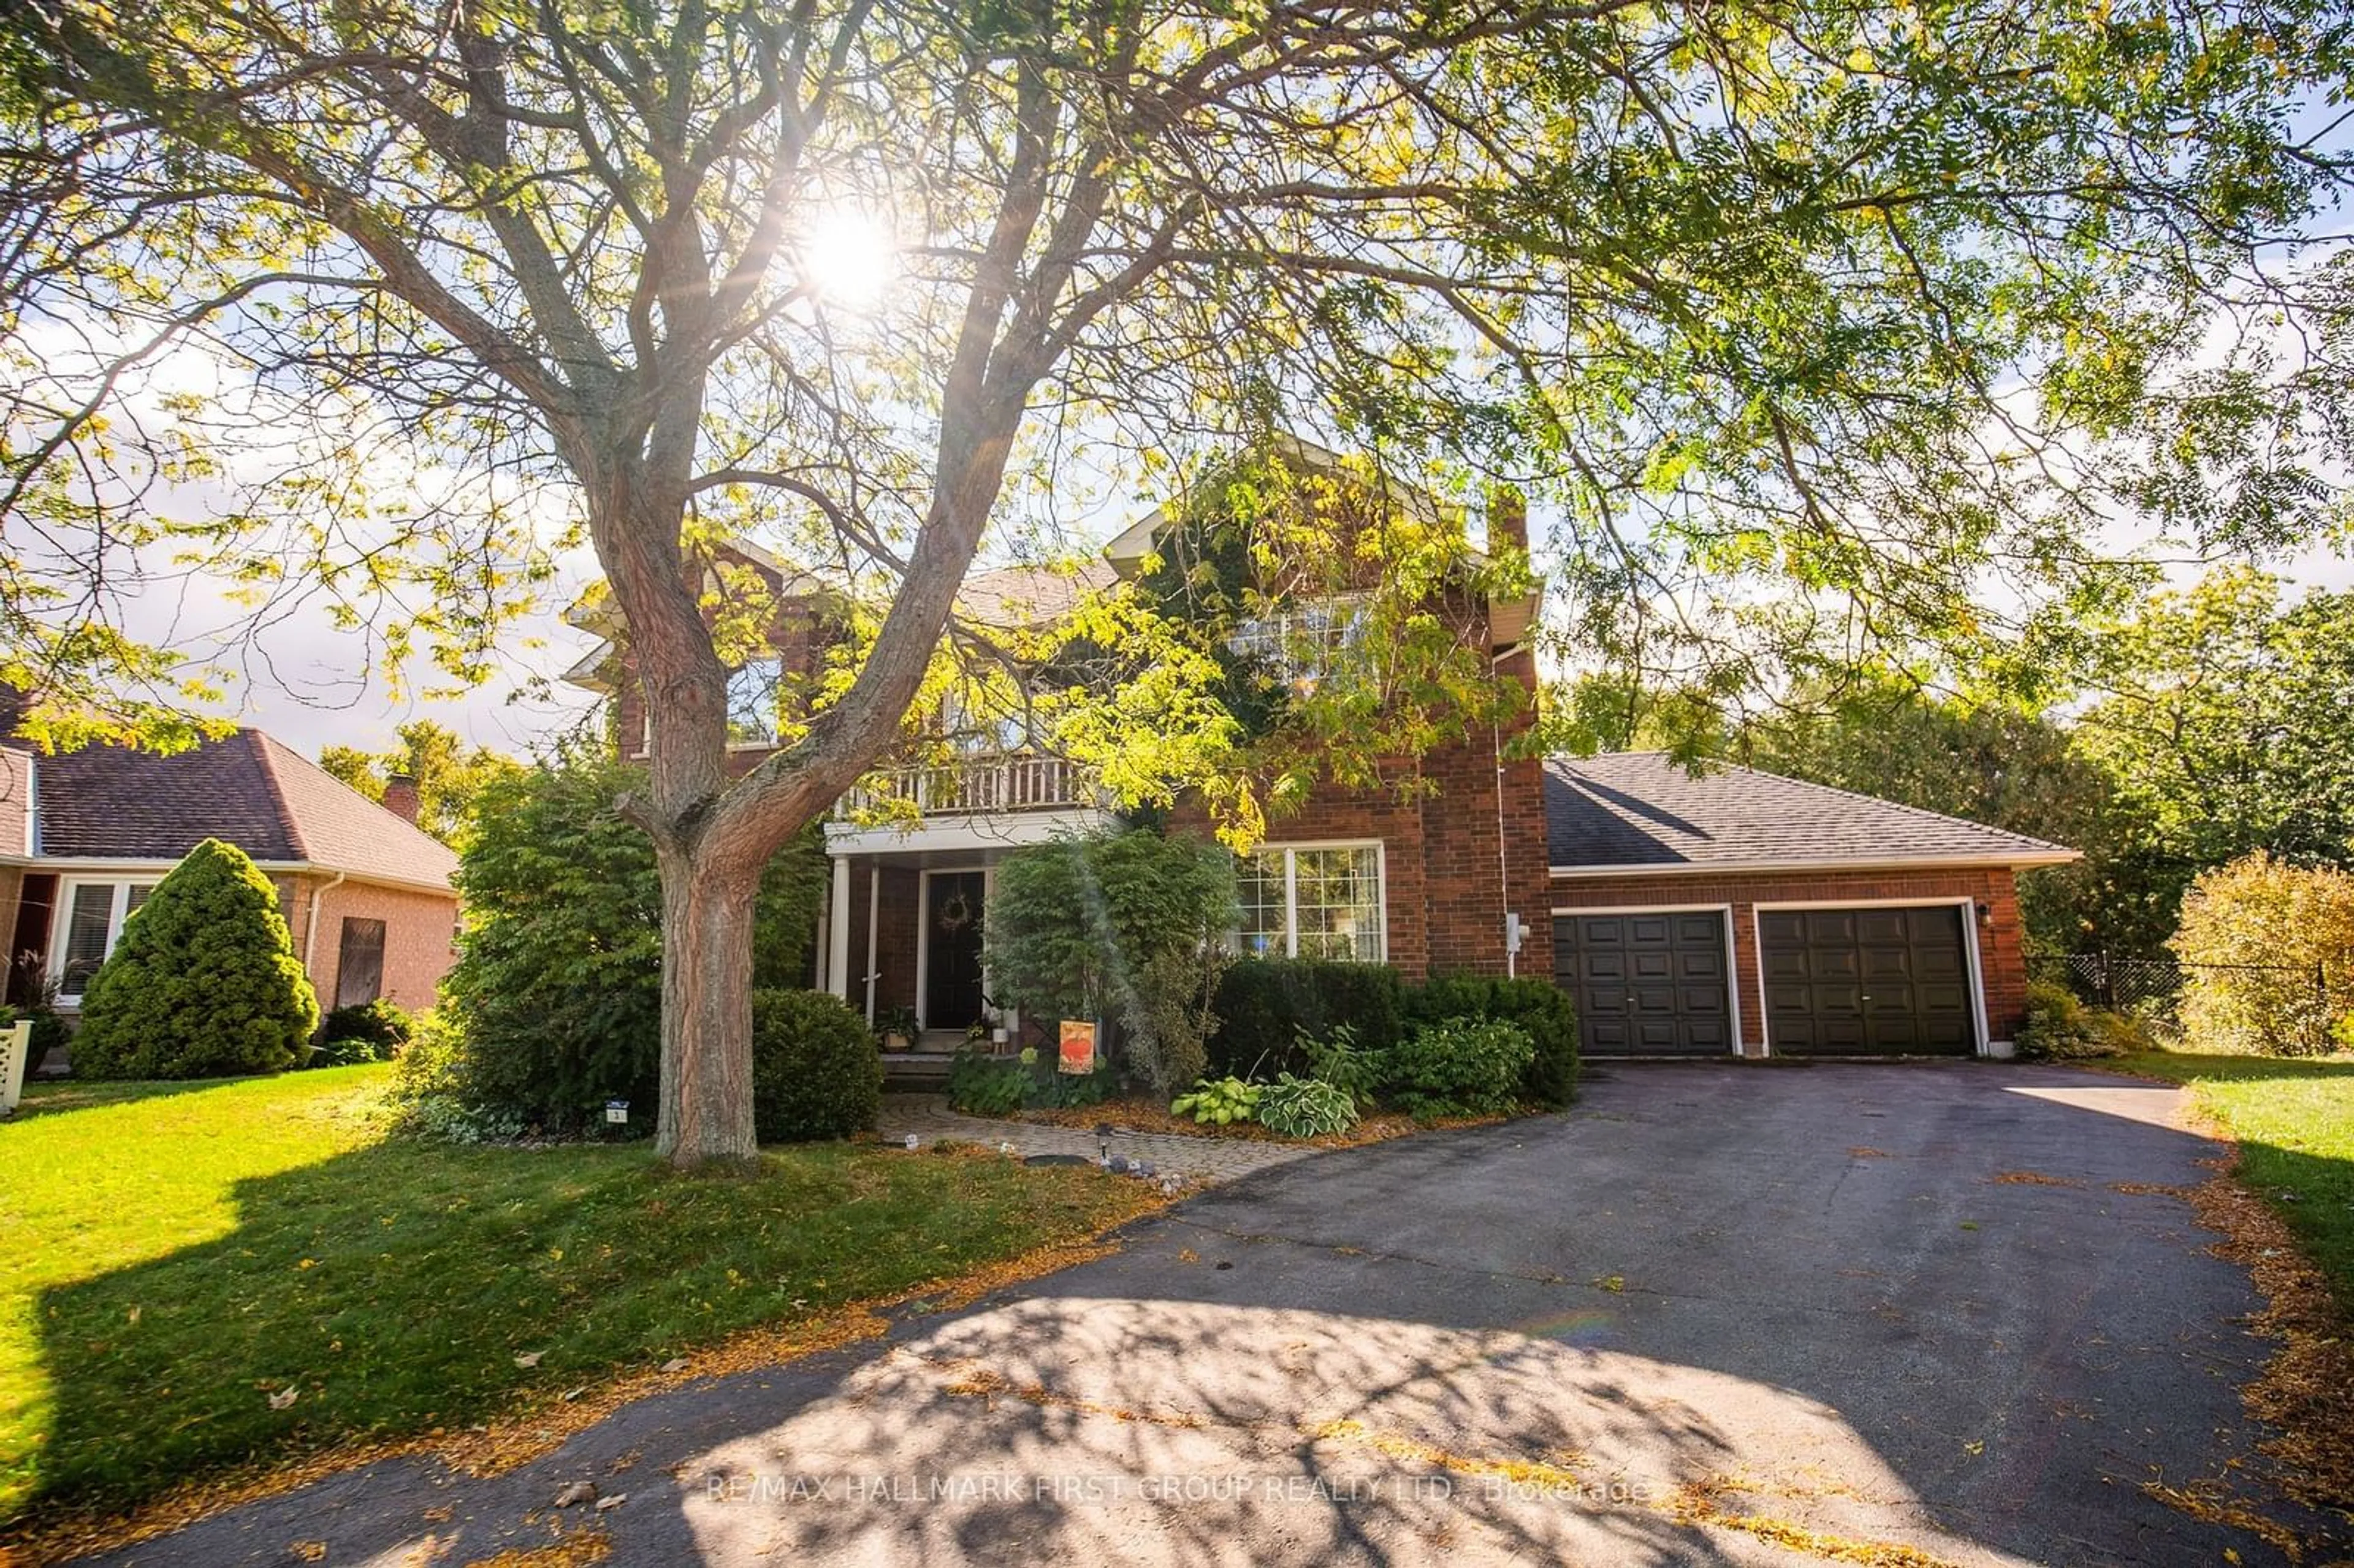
2151 987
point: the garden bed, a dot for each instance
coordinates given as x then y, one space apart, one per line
1153 1117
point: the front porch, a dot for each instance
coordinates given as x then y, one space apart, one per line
914 854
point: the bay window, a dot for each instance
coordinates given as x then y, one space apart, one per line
1313 900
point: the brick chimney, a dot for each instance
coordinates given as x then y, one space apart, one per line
400 797
1508 518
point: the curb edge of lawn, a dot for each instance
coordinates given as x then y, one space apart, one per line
2304 1393
532 1430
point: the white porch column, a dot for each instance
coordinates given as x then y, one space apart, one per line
874 926
837 932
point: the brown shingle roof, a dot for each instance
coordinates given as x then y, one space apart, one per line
1011 597
343 829
110 802
1635 810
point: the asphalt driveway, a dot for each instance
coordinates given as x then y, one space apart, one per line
1712 1314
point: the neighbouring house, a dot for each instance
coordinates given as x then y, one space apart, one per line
1731 913
86 835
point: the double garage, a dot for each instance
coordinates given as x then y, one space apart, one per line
1867 981
1738 912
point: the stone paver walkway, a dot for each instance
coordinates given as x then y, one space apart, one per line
1170 1154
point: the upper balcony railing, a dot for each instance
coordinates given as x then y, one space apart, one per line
980 785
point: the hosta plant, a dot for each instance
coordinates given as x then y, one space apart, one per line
1305 1108
1218 1101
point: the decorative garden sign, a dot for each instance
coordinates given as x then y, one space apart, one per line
1078 1053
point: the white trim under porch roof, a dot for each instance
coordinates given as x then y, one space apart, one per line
960 842
967 835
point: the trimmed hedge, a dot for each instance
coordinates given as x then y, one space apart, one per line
1457 1066
815 1071
1263 1005
1538 1008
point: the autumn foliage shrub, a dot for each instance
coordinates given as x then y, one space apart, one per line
2060 1027
2267 949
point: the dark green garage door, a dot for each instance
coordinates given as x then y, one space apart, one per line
1866 983
1647 985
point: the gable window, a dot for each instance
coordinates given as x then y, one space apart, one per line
1313 900
752 689
359 963
90 917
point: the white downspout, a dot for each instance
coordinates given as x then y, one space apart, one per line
1503 851
311 927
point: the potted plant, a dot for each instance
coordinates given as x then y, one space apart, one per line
896 1028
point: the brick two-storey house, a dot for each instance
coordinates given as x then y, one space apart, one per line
1732 913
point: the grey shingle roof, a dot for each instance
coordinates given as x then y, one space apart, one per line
1641 809
110 803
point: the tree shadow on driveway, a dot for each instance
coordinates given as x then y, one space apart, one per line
1711 1315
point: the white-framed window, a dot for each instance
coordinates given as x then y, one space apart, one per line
752 692
1313 901
1302 640
89 923
976 727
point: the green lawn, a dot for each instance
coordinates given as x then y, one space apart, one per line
2294 1123
173 1255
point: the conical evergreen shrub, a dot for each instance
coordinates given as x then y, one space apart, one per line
204 981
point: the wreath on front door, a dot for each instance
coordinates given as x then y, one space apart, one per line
956 912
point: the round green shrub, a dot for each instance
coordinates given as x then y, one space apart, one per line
1539 1008
202 984
1458 1066
369 1031
815 1071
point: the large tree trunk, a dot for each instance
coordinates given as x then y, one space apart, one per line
707 1015
713 836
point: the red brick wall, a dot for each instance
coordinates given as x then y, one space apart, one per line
801 637
12 892
1464 843
2002 962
